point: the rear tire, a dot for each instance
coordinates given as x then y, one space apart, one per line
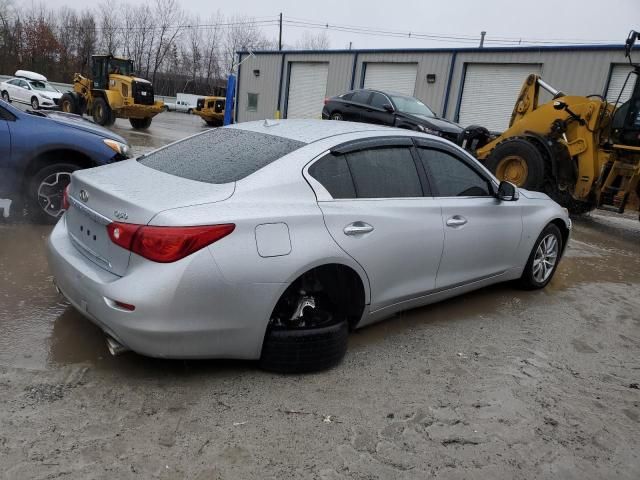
190 111
5 96
214 123
541 255
304 350
140 123
337 116
518 161
45 190
102 113
69 103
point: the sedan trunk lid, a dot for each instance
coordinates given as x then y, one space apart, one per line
127 192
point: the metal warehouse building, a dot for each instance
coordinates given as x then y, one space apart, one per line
466 85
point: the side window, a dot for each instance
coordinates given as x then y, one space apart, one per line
361 96
384 173
333 174
453 177
378 100
346 96
14 82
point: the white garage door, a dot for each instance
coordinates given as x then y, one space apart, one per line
618 76
490 92
307 89
394 77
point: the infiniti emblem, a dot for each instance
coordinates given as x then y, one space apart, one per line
84 196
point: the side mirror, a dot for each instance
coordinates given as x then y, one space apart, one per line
388 107
507 192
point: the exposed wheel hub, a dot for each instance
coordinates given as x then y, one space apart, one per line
51 191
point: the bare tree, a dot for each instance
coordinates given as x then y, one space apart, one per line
310 41
169 21
110 28
212 41
242 34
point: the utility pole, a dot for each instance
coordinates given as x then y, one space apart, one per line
350 45
280 36
482 34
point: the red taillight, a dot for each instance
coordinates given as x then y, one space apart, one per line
326 100
166 244
65 198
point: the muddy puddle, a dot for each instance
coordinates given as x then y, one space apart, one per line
39 329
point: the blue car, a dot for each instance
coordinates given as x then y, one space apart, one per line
40 150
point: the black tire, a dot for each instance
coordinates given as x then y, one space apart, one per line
214 123
69 103
528 280
336 116
575 207
140 123
518 148
304 350
5 96
102 113
35 104
190 111
39 209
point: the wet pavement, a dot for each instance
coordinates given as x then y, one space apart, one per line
499 383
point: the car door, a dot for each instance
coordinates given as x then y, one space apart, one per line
375 208
481 233
12 86
23 92
354 108
377 113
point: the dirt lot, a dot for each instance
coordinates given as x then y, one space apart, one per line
498 384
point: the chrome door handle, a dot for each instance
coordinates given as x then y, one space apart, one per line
456 221
358 228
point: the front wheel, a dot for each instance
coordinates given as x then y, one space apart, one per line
46 190
543 260
69 103
35 104
102 113
140 123
518 161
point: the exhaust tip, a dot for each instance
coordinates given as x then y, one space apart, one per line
115 348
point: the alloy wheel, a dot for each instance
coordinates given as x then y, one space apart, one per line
545 258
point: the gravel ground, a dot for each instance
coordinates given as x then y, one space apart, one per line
497 384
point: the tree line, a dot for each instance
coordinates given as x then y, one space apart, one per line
176 50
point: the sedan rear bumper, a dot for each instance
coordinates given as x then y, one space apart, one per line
182 310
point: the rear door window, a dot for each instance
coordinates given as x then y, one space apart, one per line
384 173
361 96
221 155
332 172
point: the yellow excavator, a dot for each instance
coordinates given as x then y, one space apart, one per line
112 92
582 151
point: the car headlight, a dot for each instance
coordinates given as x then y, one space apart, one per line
118 147
424 129
45 96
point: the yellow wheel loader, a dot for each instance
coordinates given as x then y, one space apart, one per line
580 150
211 110
112 92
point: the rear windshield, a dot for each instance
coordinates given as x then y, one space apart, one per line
221 155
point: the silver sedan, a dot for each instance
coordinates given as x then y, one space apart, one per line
271 240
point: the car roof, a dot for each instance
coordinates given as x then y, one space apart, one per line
308 130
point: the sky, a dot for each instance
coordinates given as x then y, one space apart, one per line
551 21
